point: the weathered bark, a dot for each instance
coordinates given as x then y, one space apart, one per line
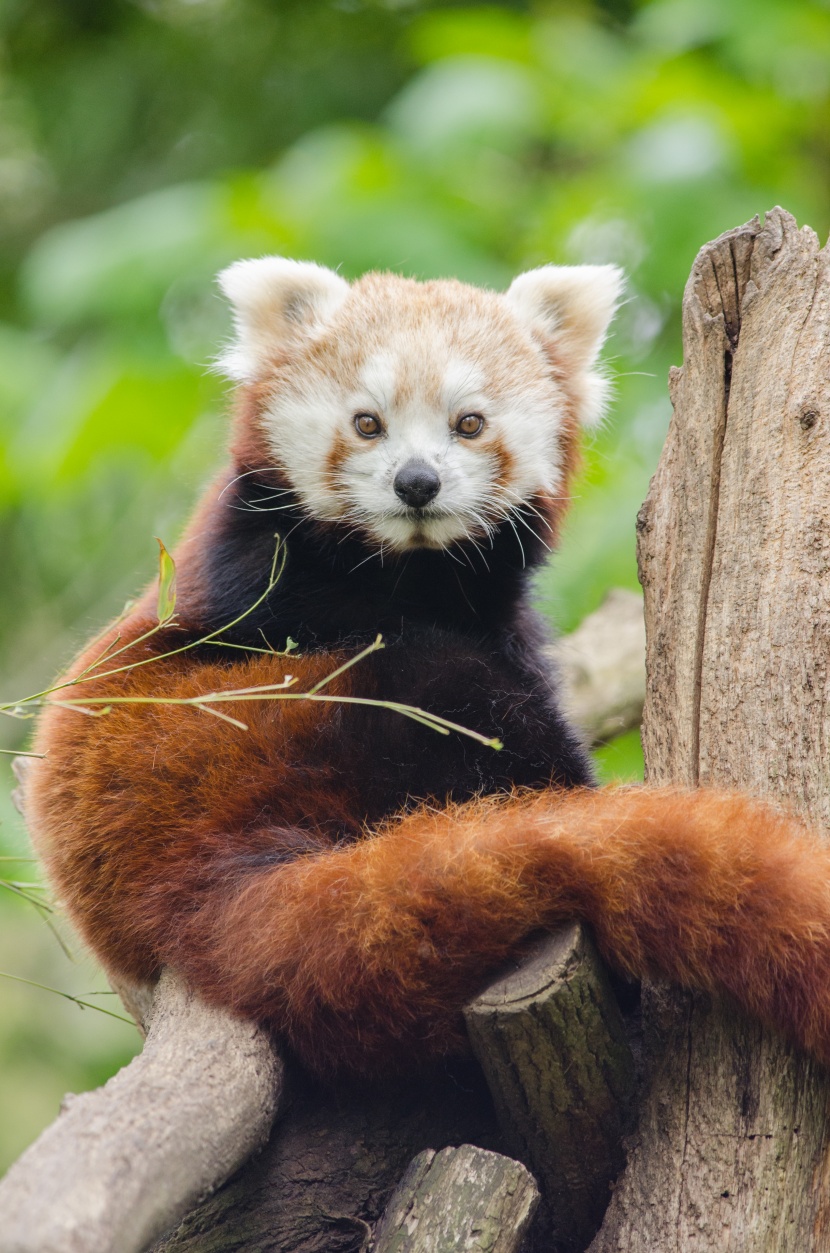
732 1151
551 1041
124 1163
332 1161
460 1200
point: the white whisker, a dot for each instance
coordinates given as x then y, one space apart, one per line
526 524
478 550
519 542
485 526
449 553
378 553
256 508
247 474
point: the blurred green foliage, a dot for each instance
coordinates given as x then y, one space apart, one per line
146 143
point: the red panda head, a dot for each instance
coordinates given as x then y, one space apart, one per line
419 414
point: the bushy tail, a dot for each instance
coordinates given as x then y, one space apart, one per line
363 956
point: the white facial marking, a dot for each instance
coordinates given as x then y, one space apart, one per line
419 364
418 390
377 380
463 385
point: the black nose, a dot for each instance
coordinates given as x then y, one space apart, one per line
417 484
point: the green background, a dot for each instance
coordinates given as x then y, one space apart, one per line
145 144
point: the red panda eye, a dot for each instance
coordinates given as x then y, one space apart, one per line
367 425
470 425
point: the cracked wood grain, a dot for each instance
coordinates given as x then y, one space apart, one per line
550 1039
732 1150
461 1200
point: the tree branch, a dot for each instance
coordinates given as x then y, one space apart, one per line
603 667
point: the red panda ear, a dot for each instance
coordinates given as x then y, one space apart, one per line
573 305
275 301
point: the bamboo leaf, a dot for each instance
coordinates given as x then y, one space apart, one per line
167 585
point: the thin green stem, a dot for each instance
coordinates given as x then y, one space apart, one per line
26 896
105 653
277 567
67 996
347 665
215 713
435 721
247 648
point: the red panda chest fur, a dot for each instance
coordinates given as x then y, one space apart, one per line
321 860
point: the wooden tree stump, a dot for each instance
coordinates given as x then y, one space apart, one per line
333 1160
461 1200
551 1042
733 1148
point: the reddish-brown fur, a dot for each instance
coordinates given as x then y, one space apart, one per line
244 858
362 954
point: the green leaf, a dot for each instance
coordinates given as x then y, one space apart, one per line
167 585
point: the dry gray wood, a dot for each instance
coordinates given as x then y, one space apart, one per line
462 1200
602 666
550 1039
125 1162
732 1151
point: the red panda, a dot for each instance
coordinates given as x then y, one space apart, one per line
338 871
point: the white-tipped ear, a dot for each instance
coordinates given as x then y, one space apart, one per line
275 301
574 305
